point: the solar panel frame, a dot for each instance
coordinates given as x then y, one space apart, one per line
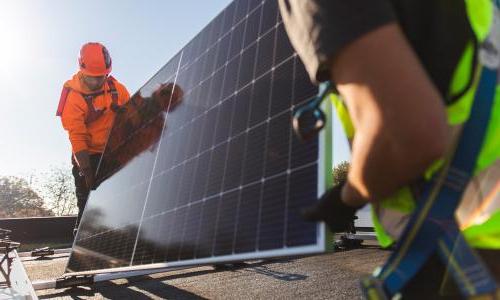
205 66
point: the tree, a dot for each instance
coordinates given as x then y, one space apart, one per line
340 172
18 199
57 188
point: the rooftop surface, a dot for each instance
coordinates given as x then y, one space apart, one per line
326 276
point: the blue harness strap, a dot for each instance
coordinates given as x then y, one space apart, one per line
432 227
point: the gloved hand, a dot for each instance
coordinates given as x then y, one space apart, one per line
332 210
83 160
168 95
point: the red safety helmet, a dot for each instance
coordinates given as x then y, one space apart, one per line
94 60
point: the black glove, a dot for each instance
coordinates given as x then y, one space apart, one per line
89 177
83 160
332 210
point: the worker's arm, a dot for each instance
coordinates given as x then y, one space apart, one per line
398 114
73 120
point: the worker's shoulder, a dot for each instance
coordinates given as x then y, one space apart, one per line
73 102
121 89
118 84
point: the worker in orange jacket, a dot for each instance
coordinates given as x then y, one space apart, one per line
88 105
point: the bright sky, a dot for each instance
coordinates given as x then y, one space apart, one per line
40 41
39 45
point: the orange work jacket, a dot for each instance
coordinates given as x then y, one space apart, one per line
84 135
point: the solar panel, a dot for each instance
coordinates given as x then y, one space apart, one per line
219 177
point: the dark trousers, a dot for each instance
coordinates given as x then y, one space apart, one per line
433 282
81 189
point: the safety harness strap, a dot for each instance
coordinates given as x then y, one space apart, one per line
89 99
114 94
62 100
432 226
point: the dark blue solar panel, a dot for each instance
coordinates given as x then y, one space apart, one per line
220 175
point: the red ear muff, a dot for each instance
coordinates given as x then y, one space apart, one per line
81 63
107 57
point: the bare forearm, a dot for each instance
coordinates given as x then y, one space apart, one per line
398 114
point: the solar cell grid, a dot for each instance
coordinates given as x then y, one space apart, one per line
220 177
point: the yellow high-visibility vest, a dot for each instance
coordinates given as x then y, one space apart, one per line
478 214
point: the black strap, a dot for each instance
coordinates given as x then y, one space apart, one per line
89 99
92 114
114 95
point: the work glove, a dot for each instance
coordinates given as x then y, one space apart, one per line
168 95
332 210
83 160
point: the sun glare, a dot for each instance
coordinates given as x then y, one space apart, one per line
16 38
